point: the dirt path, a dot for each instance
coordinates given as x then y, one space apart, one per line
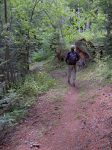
84 123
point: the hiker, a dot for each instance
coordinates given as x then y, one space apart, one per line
71 59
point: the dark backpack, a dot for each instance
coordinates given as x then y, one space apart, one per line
73 58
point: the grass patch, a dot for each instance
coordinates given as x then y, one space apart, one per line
54 94
82 94
99 72
95 75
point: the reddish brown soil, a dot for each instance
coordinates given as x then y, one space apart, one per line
82 125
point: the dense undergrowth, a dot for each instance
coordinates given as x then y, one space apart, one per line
23 95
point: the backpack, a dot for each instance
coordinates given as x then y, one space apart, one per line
73 58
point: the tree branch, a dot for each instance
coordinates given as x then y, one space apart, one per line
32 13
49 19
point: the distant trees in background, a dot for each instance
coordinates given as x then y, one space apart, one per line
106 6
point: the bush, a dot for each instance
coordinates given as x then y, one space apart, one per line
15 115
104 69
44 82
40 56
35 84
24 95
28 88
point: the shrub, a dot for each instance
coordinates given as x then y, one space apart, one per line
29 87
24 95
35 84
44 81
15 115
40 56
104 69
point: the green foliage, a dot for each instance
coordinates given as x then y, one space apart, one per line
26 93
15 115
12 95
40 56
99 72
35 84
29 88
97 37
104 69
45 82
106 6
52 64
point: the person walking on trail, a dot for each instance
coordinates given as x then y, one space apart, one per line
71 59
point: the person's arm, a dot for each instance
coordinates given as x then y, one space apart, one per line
78 56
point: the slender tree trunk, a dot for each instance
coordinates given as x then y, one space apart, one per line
5 11
108 45
7 52
79 20
24 53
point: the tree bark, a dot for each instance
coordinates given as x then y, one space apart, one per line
5 11
7 52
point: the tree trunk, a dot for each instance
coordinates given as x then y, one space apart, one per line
79 20
7 52
5 11
108 45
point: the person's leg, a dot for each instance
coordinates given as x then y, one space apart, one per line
69 73
74 74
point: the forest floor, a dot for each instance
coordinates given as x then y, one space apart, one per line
66 118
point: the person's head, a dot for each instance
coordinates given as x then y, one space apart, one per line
73 48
